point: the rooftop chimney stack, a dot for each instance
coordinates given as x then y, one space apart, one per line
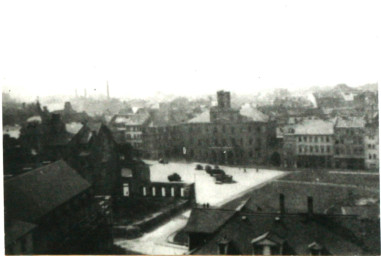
282 207
310 205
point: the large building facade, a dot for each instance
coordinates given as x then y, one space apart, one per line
349 143
221 135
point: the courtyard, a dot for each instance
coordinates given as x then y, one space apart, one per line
158 241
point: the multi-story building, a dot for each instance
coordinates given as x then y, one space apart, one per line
314 143
221 135
371 141
129 128
349 143
52 210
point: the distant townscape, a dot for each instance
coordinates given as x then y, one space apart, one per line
281 173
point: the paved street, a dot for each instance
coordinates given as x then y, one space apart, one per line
207 191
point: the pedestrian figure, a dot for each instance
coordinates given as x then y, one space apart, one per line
257 169
244 170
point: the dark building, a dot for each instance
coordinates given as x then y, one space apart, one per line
241 232
349 143
52 210
95 155
222 135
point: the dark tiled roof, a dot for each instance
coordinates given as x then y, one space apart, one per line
32 195
266 199
207 220
296 230
15 229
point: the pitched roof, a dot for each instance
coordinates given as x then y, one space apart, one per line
253 114
295 230
204 117
32 195
314 127
207 220
354 122
15 229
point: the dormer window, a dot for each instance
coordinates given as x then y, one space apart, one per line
267 244
316 249
223 246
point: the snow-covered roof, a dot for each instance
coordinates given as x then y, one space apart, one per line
314 127
34 119
253 114
204 117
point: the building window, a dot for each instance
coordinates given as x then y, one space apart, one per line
163 191
182 192
316 149
153 191
322 149
327 138
144 191
316 139
374 156
300 139
370 156
126 189
328 149
311 149
300 149
304 138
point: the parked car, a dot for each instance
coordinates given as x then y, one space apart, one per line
223 178
174 177
199 167
214 172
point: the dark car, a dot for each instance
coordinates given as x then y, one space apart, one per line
174 177
199 167
214 172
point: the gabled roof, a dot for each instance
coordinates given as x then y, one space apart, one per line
34 194
354 122
314 127
253 114
15 229
207 220
295 230
204 117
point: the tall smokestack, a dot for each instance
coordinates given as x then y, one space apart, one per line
282 207
108 91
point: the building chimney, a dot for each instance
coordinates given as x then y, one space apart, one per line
281 204
310 205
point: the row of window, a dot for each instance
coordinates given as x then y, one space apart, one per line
372 156
225 129
133 136
349 151
371 146
225 142
314 138
314 149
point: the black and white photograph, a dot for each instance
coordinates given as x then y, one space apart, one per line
207 127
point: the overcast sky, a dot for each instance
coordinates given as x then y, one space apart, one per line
185 47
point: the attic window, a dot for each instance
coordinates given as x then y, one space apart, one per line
315 248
